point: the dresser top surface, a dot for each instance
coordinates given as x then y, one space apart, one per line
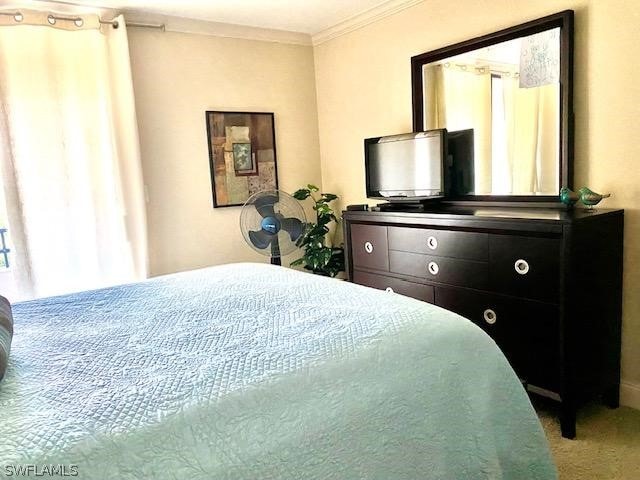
547 215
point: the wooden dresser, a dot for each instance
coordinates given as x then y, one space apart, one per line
546 285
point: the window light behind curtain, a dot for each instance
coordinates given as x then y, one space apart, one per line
515 135
70 156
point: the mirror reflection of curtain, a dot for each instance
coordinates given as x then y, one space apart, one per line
516 146
531 116
459 99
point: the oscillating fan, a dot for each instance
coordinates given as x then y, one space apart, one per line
271 222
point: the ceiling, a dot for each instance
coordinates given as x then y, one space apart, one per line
305 16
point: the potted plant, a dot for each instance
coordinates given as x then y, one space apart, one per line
319 257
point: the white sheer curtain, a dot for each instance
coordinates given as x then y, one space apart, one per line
516 130
462 100
70 156
532 116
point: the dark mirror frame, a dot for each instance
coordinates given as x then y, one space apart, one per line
564 20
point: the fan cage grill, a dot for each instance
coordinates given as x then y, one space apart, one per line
251 220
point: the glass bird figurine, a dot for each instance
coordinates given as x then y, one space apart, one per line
568 196
590 198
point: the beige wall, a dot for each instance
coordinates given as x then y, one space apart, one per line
363 88
176 78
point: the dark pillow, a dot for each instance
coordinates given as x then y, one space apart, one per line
6 334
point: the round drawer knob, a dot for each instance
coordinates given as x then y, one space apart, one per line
368 247
389 290
432 242
490 316
521 266
433 268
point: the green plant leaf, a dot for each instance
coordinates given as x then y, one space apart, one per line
318 230
318 257
324 220
302 242
301 194
323 256
329 197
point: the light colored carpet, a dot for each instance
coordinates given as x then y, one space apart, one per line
607 445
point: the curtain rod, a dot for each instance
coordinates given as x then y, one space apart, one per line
479 69
159 26
78 21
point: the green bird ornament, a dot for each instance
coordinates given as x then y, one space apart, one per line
591 198
568 196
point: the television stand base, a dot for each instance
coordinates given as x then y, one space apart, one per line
408 206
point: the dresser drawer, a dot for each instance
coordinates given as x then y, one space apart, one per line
369 247
526 331
453 271
444 243
525 266
403 287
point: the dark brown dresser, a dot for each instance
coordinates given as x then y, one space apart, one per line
546 285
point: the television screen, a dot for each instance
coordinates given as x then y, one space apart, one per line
459 173
405 167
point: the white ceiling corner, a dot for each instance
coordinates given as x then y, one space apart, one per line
364 18
287 21
218 29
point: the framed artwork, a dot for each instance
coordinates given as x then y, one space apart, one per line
242 156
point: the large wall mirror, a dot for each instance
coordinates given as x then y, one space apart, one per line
506 101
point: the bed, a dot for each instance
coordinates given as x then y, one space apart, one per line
252 371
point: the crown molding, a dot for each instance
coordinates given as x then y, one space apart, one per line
217 29
171 23
362 19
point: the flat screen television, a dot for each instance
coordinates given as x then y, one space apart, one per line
459 171
407 167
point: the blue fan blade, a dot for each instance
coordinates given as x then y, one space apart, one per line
293 226
264 205
261 239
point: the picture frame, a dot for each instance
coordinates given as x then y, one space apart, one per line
242 155
244 160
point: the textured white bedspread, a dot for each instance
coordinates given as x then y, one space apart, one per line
250 371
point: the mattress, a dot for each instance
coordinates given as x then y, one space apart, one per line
250 371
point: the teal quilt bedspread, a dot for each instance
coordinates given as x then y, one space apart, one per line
251 371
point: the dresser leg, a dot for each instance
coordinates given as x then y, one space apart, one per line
568 421
611 396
